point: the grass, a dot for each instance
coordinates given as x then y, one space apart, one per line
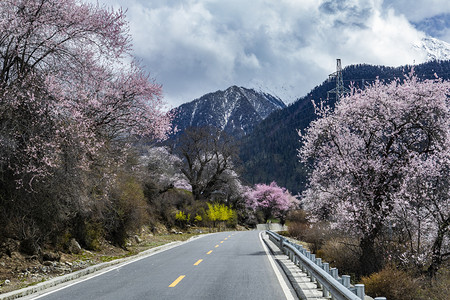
274 220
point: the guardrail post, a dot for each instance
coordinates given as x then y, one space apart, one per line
360 290
319 262
326 267
282 244
312 257
335 273
325 292
307 254
346 280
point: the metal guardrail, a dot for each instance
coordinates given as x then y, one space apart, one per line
327 279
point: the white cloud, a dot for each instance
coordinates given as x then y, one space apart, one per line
418 10
286 47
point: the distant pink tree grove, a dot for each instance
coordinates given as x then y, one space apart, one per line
272 200
68 89
381 162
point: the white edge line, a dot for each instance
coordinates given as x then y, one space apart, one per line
286 290
95 275
109 269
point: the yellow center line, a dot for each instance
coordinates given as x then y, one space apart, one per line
221 242
198 262
217 246
229 236
226 239
210 251
173 284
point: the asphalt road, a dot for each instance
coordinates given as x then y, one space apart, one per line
226 265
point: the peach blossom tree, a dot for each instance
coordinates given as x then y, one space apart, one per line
380 161
272 200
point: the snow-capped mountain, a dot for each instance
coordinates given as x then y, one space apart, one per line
433 48
236 110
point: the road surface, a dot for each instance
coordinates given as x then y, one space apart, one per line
226 265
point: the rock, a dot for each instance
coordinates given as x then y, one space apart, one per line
9 246
74 247
137 239
47 263
32 257
16 256
51 256
7 281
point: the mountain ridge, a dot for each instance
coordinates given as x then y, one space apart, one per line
236 110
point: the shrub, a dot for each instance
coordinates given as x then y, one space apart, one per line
297 230
182 219
314 234
297 216
87 232
93 235
439 287
127 211
341 253
198 219
165 204
392 283
222 213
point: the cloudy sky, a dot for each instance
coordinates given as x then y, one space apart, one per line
285 47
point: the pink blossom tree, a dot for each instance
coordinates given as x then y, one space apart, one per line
70 103
65 83
383 149
272 200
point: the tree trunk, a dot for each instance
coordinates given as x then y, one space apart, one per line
436 255
369 260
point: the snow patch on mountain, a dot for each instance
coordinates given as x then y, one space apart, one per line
434 49
237 110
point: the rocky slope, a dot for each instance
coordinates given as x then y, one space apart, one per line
236 110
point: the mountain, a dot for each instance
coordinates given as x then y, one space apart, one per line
236 110
269 152
435 49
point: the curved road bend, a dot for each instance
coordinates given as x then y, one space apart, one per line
225 265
